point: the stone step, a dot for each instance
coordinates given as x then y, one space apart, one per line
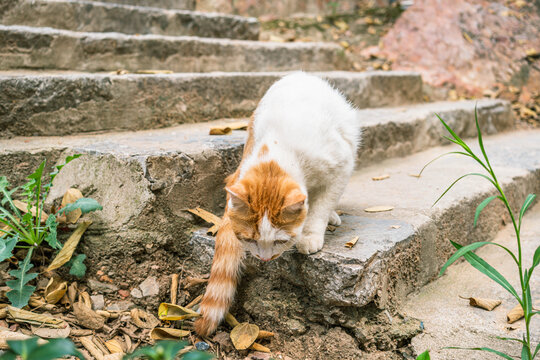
23 47
90 16
62 104
162 172
397 251
165 4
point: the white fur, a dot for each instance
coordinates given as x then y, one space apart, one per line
312 132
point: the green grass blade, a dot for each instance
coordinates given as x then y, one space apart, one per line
424 356
528 201
509 339
468 248
525 353
481 207
536 350
440 156
454 135
536 258
459 178
480 140
478 263
501 354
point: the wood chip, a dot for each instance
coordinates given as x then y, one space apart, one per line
153 72
379 178
206 215
168 334
515 314
486 304
380 208
80 332
194 281
220 131
174 288
89 345
415 175
352 242
265 334
258 347
194 302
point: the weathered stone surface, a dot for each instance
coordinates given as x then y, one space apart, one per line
98 302
46 48
401 250
70 104
102 287
101 17
145 180
149 287
167 4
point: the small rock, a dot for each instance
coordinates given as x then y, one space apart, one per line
123 305
202 346
123 293
296 327
101 287
150 286
98 302
136 293
257 355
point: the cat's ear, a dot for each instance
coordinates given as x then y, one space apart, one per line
294 201
237 197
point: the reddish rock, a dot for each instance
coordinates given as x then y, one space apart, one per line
123 293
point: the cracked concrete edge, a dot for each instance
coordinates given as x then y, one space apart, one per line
90 16
46 48
70 104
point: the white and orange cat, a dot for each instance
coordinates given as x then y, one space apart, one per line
299 156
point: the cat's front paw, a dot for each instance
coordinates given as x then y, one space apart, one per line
310 244
334 219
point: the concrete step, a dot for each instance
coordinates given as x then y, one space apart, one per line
103 17
165 171
62 104
165 4
47 48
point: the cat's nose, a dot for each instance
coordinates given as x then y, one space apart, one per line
263 259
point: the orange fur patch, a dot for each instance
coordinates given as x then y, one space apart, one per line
263 151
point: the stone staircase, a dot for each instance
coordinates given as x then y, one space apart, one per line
148 157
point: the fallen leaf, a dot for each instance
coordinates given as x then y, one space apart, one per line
533 53
239 125
87 317
69 247
143 320
244 335
220 131
395 226
72 292
20 315
81 332
55 290
265 334
258 347
206 216
415 175
344 44
115 356
515 314
194 302
379 178
49 333
381 208
352 242
70 197
342 25
168 334
467 37
331 228
22 206
486 304
194 281
114 346
174 312
7 335
89 345
231 320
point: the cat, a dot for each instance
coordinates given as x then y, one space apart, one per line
297 160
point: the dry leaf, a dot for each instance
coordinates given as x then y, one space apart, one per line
48 333
85 298
115 356
244 335
415 175
6 335
20 315
72 292
55 290
70 197
80 332
352 242
379 178
22 206
194 302
220 131
331 228
194 281
208 217
153 72
174 312
231 320
168 334
515 314
381 208
258 347
69 247
265 334
486 304
395 226
89 345
143 320
87 317
114 346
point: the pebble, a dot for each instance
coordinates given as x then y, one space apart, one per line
136 293
202 346
296 327
123 293
98 302
123 305
150 286
100 287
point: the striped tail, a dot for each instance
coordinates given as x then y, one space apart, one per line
223 280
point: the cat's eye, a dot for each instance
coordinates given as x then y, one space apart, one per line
249 241
281 242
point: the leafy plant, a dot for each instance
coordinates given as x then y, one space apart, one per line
22 226
29 349
424 356
524 297
167 350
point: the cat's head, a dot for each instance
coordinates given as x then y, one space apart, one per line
267 209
